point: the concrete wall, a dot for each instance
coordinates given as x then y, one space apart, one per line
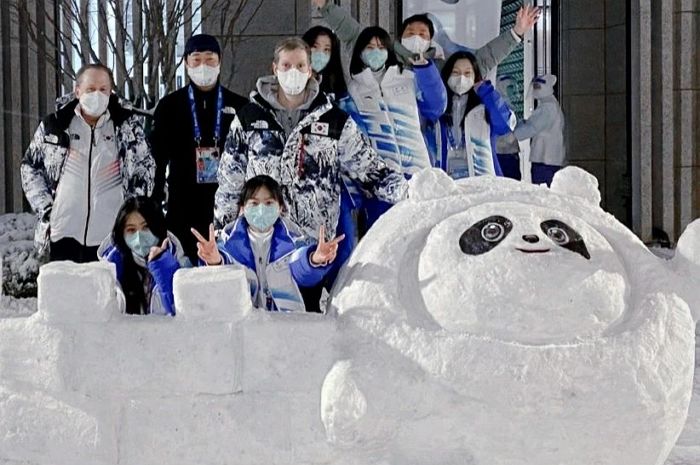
593 87
630 87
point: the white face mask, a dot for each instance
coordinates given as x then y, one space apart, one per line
416 44
461 84
293 81
204 75
94 103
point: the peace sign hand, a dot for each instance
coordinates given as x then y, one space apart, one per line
156 251
325 251
207 249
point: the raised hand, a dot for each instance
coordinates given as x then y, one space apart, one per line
206 248
325 251
526 19
156 251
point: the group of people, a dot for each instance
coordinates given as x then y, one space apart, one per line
284 182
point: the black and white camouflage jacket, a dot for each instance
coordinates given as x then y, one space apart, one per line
44 160
309 164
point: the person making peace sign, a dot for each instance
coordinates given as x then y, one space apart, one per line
275 262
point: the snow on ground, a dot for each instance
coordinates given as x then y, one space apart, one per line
20 265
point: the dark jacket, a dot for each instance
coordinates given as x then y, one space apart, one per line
189 204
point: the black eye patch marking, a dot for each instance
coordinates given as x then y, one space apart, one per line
485 235
565 236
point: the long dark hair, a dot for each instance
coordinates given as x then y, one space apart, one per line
473 100
365 37
133 275
252 185
332 79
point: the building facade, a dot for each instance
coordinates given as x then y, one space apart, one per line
629 84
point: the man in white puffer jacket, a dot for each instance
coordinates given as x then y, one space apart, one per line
83 161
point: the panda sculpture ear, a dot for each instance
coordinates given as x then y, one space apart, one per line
430 184
687 263
575 181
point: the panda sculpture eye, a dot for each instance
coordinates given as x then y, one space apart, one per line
492 232
484 235
565 236
557 235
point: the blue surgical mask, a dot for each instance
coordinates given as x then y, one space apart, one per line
374 58
319 60
262 217
141 242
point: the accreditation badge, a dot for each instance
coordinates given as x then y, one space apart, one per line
207 162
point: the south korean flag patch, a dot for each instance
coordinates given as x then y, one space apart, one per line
319 129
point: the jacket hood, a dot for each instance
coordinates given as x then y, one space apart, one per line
268 86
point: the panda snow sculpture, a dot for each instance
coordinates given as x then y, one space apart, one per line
493 322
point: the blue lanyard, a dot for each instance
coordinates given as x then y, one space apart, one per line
195 121
451 138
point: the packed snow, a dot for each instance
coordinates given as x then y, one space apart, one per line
590 363
423 358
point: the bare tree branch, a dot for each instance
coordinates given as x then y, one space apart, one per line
144 32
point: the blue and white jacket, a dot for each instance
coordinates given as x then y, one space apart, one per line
162 270
288 266
393 114
485 120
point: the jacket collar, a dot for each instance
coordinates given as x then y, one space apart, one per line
117 113
267 85
281 243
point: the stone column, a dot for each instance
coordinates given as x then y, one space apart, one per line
687 110
641 116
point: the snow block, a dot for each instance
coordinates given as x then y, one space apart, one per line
250 429
283 351
136 356
78 293
47 431
30 354
212 294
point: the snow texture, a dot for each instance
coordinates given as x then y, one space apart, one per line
533 348
20 264
416 363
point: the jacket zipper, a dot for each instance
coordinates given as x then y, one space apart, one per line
87 218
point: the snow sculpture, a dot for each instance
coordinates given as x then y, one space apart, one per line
494 322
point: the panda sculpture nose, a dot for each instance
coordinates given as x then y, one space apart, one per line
531 238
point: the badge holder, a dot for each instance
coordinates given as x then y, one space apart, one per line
207 162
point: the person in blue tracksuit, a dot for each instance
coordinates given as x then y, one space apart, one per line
391 104
276 262
476 116
146 257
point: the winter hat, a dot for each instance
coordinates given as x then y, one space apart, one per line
202 43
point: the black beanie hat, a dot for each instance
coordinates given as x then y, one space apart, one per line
202 43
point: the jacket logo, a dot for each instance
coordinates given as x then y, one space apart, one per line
228 111
51 138
260 124
320 129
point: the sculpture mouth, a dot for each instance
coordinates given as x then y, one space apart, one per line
532 250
